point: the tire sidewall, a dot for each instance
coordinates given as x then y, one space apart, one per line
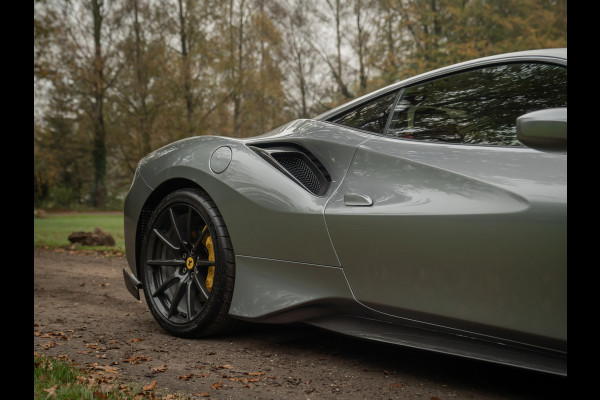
219 298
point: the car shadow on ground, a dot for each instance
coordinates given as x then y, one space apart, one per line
418 365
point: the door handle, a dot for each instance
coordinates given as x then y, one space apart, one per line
353 199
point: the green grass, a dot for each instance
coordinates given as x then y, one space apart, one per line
53 230
58 379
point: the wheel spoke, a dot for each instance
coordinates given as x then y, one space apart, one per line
204 263
204 233
168 282
179 292
189 300
176 229
201 288
172 263
188 225
165 240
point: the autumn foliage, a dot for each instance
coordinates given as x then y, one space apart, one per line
116 80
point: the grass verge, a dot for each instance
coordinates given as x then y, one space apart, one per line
52 231
55 378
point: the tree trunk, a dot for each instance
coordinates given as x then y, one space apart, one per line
261 94
185 71
338 74
99 148
239 81
302 87
141 83
360 44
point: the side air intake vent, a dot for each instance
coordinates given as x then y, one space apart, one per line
299 165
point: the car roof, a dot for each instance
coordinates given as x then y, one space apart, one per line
556 55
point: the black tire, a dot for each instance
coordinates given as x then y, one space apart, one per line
175 265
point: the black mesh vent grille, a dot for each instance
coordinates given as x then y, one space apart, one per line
143 224
145 216
297 164
301 171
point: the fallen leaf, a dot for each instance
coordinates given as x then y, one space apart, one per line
137 359
106 368
100 395
161 368
396 385
186 377
51 391
136 340
150 386
245 380
226 366
124 388
104 379
203 394
256 373
217 385
85 381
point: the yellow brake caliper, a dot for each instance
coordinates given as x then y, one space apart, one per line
208 243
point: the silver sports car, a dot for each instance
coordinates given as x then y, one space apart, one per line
431 213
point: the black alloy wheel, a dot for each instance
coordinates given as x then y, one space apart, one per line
188 265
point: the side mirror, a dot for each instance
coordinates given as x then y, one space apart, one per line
544 130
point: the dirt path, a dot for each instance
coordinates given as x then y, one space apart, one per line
83 311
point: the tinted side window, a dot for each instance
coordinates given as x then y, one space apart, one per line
371 116
479 106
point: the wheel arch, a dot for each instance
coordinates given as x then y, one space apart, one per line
161 191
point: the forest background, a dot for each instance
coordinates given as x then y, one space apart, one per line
114 80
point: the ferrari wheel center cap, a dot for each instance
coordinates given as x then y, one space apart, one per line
189 263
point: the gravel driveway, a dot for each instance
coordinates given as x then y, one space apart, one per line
83 312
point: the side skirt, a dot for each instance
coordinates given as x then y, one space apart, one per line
370 329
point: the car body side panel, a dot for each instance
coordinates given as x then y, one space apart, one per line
267 214
458 236
258 203
282 291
